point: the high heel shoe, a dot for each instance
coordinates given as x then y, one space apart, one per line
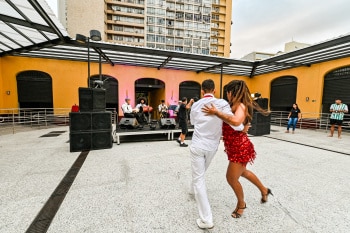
265 196
235 213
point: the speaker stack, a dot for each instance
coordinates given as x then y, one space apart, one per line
91 128
167 123
260 124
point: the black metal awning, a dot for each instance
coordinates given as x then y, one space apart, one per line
29 28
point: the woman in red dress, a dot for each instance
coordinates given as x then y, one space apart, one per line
238 147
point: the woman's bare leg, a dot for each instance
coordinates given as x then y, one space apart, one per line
255 180
234 171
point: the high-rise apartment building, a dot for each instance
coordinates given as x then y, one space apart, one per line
192 26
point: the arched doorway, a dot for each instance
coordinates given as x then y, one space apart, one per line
34 89
110 84
152 90
336 85
283 93
190 90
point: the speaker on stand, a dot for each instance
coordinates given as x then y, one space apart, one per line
91 128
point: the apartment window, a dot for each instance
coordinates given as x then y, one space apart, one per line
118 28
160 46
151 10
216 9
188 49
179 41
197 17
205 51
170 15
160 21
179 48
206 10
170 47
188 7
160 39
150 20
170 32
179 32
205 43
151 45
188 41
196 42
170 5
188 16
151 38
179 24
170 23
206 18
160 12
179 7
169 40
180 15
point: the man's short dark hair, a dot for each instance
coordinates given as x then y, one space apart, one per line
184 99
208 85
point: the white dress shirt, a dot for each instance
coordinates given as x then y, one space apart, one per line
208 128
126 108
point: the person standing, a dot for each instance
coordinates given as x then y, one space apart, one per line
183 118
238 147
338 109
205 142
293 117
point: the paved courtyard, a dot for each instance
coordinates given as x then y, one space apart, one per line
143 186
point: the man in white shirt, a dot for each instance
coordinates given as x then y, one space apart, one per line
205 142
128 111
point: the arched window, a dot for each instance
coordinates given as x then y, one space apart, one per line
34 89
189 89
283 93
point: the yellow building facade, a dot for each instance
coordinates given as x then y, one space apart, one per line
68 76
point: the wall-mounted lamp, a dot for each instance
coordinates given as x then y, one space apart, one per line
95 36
8 92
307 99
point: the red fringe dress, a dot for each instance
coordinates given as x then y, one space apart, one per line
238 147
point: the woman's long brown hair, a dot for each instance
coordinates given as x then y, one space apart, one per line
240 94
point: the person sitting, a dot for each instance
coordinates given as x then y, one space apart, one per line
128 111
143 110
163 110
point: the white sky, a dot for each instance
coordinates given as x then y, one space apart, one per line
266 25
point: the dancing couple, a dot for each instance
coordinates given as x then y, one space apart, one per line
212 118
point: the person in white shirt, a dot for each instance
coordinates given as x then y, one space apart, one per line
163 110
128 111
205 142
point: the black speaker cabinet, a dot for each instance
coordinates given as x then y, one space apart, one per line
167 123
85 121
92 99
263 102
79 121
101 140
80 141
101 121
260 124
90 140
128 123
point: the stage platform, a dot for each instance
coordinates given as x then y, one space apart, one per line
146 130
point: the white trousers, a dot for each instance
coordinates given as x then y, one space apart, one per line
200 161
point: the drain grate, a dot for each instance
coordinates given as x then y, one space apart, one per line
43 220
52 134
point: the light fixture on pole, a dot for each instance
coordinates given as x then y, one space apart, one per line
95 36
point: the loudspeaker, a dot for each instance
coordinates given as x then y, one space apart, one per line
260 124
259 118
128 123
101 140
79 121
263 102
259 129
167 123
90 140
79 141
92 99
85 121
101 121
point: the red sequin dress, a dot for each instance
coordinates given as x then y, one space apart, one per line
238 147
